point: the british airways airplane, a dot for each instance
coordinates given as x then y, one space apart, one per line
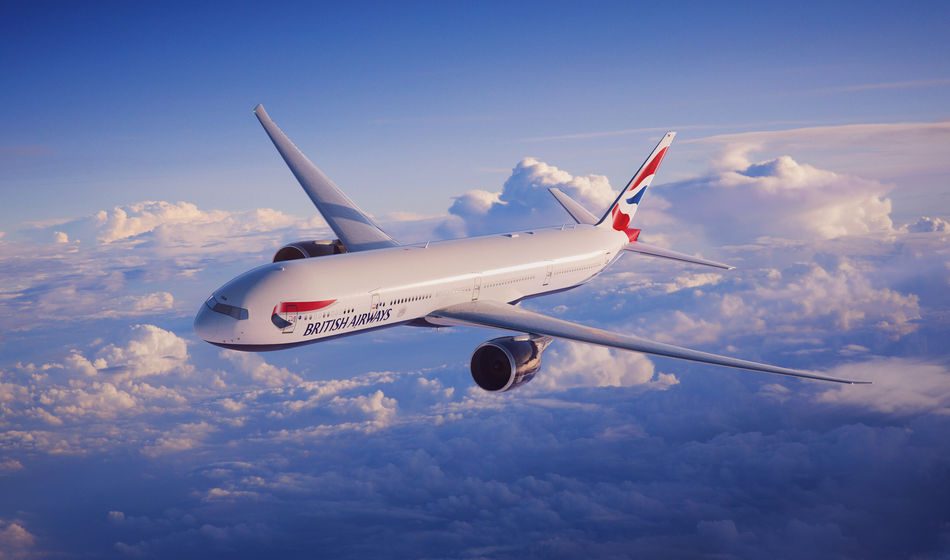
365 280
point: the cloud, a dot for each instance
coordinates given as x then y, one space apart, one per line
177 228
10 465
377 406
150 350
899 386
260 371
926 224
791 200
525 202
572 364
880 150
181 438
60 406
151 216
885 85
173 447
844 294
15 541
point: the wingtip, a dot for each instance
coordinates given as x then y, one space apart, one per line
257 108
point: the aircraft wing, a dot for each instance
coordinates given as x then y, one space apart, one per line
356 230
505 316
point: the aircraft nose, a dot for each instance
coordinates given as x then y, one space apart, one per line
208 324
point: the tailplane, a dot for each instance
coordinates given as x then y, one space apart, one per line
580 214
623 209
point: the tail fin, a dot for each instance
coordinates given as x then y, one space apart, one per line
623 209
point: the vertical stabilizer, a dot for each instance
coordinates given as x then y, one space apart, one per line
622 210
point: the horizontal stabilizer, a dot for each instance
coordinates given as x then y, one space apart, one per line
644 249
356 230
501 315
574 208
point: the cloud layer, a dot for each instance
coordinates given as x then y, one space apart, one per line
122 435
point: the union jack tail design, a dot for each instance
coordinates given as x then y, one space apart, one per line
622 210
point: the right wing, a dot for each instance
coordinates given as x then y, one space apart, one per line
500 315
356 230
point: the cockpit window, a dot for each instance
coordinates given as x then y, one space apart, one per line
238 313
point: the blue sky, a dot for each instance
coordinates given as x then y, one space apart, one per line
129 102
812 154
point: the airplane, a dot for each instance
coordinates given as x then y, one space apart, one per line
365 280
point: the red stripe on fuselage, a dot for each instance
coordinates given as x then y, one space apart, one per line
301 306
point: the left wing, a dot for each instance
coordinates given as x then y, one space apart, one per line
356 230
505 316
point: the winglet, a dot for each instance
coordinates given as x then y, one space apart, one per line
622 210
355 228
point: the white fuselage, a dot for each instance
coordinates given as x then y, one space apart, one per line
324 297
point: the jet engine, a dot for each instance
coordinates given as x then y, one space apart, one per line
309 249
501 364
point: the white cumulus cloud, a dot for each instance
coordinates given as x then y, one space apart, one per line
899 386
524 200
745 200
573 364
150 350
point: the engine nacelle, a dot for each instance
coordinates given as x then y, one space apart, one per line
309 249
501 364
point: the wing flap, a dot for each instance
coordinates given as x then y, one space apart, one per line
356 230
504 316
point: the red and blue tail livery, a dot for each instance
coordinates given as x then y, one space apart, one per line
624 208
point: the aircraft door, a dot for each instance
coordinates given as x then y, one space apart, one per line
290 315
374 302
476 288
547 274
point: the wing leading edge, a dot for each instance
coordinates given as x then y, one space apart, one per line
505 316
356 230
